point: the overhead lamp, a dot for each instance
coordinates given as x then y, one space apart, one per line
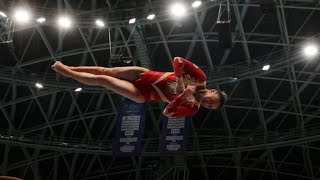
64 22
151 16
310 50
132 21
78 90
39 86
41 20
266 67
178 10
196 4
22 15
3 14
100 23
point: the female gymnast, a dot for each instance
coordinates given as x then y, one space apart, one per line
184 89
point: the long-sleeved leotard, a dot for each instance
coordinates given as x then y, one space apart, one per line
160 86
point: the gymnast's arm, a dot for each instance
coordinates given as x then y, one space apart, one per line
187 73
180 106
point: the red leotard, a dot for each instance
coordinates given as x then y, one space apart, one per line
160 86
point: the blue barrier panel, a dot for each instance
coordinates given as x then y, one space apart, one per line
174 134
130 129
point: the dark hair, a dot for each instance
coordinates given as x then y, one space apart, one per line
223 98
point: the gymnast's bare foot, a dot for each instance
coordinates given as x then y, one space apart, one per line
54 66
61 68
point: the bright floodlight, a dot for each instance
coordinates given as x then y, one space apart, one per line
266 67
22 15
133 20
3 14
196 4
78 90
178 10
151 16
39 86
311 50
64 22
99 23
41 20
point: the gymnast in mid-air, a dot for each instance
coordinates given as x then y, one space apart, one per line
184 89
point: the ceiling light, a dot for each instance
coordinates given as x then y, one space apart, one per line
151 16
22 15
132 21
64 22
266 67
178 10
100 23
311 50
3 14
78 90
41 20
39 86
196 4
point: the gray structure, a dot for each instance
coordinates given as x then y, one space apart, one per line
267 130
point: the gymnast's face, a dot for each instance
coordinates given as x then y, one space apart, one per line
211 99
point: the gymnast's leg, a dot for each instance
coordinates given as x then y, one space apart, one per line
9 178
118 85
130 73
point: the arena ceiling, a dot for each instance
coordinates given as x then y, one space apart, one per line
267 129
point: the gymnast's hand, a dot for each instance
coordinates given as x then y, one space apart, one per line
190 90
179 85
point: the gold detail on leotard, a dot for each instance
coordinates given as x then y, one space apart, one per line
190 100
162 96
171 86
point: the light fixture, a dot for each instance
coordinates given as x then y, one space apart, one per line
178 10
39 86
64 22
78 90
22 15
100 23
151 16
196 4
266 67
41 20
3 14
311 50
132 21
